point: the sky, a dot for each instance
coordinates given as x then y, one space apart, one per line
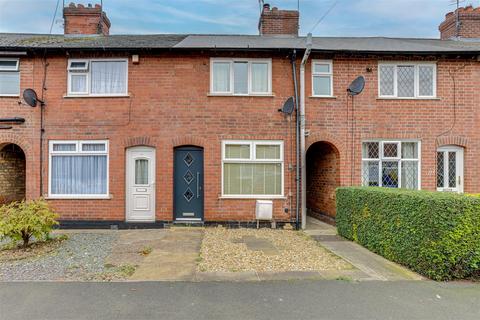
390 18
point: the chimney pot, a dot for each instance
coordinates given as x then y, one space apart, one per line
266 7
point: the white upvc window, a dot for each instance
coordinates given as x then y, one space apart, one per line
252 169
9 77
391 164
97 77
407 80
322 78
78 169
240 76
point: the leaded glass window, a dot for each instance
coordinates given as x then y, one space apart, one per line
391 164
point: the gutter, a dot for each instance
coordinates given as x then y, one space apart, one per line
302 131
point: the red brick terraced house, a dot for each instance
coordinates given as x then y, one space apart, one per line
153 129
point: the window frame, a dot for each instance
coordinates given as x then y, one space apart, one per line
416 66
320 74
87 71
398 159
78 151
252 159
231 91
17 70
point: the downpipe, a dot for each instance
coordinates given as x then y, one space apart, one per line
297 144
303 176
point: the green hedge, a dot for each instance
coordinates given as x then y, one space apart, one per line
436 234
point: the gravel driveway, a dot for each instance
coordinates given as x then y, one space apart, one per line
80 257
264 250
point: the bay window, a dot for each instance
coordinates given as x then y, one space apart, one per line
407 80
252 169
78 169
100 77
391 164
240 76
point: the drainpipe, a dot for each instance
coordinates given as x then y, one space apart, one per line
302 130
297 144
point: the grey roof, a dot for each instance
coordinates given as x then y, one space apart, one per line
42 41
11 41
334 44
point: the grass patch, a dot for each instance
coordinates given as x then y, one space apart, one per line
113 272
146 251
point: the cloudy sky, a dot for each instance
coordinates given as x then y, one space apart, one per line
396 18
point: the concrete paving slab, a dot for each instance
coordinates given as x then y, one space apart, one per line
175 257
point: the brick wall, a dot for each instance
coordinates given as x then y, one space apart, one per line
469 18
169 106
12 173
431 121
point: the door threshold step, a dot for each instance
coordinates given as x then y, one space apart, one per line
188 223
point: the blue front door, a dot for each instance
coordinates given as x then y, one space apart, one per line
188 184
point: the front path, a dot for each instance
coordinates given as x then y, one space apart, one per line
373 266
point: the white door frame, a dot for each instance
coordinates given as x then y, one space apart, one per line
459 174
148 190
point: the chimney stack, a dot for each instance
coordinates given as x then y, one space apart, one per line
278 22
79 19
461 23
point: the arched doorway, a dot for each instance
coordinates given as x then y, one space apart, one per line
323 177
12 173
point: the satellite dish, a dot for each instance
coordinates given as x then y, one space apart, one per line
357 86
288 106
30 97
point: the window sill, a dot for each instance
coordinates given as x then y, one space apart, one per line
9 96
109 197
269 95
394 98
323 97
93 97
252 198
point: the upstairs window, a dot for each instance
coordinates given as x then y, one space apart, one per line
407 80
322 78
98 77
241 77
9 77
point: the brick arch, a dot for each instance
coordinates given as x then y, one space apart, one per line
140 141
188 141
452 140
324 137
19 141
31 171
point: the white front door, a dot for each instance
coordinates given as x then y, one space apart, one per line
140 184
450 169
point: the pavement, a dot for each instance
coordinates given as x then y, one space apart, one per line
279 300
